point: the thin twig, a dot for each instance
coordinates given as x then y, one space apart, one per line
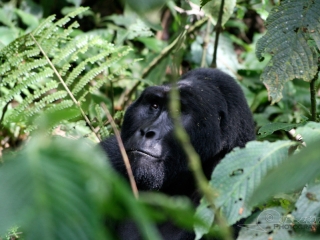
205 45
123 152
66 87
313 98
218 30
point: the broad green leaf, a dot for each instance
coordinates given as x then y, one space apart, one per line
241 171
272 127
206 214
292 39
307 208
54 190
269 224
309 132
291 175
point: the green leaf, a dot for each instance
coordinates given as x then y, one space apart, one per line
206 214
269 224
52 192
310 132
237 175
272 127
291 175
292 27
307 208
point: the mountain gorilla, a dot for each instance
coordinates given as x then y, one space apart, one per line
214 113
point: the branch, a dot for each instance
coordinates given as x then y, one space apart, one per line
205 45
313 98
123 152
218 29
66 87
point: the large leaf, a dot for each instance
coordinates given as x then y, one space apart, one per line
269 224
292 27
307 208
63 189
292 174
310 132
50 191
237 175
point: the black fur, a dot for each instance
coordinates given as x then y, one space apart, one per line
215 114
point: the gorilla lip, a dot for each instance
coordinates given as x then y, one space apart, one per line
142 153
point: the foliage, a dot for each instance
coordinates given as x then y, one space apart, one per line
55 187
241 172
30 72
293 41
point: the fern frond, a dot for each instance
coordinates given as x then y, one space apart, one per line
43 25
80 60
99 83
92 74
70 48
60 106
81 67
72 14
27 101
45 101
24 68
35 77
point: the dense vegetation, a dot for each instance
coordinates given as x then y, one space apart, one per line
61 75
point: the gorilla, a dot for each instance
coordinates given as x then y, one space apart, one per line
215 114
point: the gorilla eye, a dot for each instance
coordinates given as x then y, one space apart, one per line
155 106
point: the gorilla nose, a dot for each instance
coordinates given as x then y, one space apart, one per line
147 133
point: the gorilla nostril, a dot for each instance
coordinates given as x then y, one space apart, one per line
150 134
141 132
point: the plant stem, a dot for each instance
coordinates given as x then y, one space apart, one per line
313 95
218 29
205 44
194 162
123 152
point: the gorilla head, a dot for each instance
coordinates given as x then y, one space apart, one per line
214 113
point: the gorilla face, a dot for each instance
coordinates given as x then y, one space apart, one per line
147 135
214 113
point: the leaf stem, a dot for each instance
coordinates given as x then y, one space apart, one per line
218 29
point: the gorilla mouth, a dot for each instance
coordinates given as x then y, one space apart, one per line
144 153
